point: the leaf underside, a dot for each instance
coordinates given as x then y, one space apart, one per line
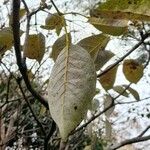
72 86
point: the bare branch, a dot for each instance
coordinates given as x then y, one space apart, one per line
131 141
123 57
143 132
21 64
29 105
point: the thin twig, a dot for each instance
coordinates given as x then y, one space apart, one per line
131 141
144 131
29 105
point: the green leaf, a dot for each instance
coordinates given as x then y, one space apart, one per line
58 45
110 26
122 91
124 9
133 92
132 70
34 47
95 43
102 58
108 79
68 97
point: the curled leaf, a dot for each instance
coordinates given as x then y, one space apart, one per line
72 86
54 21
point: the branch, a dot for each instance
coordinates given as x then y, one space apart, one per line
94 117
131 141
143 132
21 64
29 105
123 57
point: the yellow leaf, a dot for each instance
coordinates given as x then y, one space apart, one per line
124 9
110 26
108 79
6 39
34 47
95 43
132 70
54 21
102 58
58 45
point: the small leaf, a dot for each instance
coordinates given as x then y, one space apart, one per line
133 92
95 43
107 102
122 91
59 44
69 98
132 70
54 21
108 79
102 58
110 26
34 47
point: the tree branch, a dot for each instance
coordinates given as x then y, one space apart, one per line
29 105
131 141
123 57
21 64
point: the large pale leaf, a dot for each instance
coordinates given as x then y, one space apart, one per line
6 39
124 9
132 70
59 44
108 79
102 58
121 90
72 86
133 92
110 26
34 47
95 43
